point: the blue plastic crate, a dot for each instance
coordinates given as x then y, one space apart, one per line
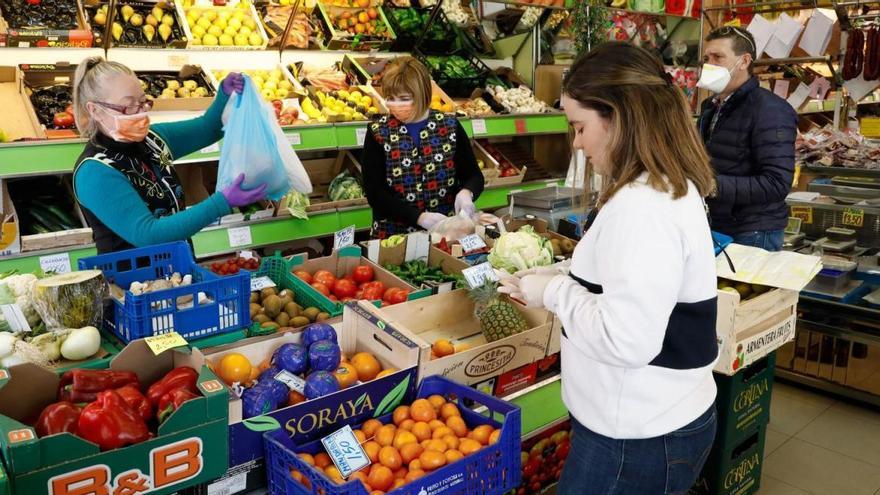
495 469
225 309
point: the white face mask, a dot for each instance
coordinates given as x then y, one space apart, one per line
715 78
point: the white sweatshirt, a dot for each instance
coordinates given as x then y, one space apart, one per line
639 312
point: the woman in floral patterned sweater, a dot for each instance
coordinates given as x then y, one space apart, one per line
418 164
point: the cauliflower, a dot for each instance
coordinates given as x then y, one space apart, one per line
22 288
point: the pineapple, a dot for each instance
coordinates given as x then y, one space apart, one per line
498 318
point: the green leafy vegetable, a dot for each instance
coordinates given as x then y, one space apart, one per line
521 250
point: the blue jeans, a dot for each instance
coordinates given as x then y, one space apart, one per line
668 464
770 240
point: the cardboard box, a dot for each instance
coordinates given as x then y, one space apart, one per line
416 246
313 419
734 471
322 171
190 447
81 37
192 104
10 240
42 75
492 169
451 316
341 40
79 236
177 39
541 226
743 401
19 120
749 330
231 6
244 478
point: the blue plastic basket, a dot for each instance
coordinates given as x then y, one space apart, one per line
495 469
225 309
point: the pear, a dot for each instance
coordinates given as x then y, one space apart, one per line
152 20
127 12
136 20
167 94
157 12
149 33
100 18
116 31
168 20
190 84
173 84
183 92
164 31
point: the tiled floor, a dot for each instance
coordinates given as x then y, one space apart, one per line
820 446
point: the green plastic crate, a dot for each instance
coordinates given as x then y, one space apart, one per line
743 401
734 471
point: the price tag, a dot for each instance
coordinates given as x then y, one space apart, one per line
161 343
360 134
794 225
344 237
234 484
418 245
15 317
214 148
177 61
477 275
346 452
294 139
246 254
260 283
479 126
56 263
854 217
292 381
471 243
805 213
239 236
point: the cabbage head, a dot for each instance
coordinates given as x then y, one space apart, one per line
521 250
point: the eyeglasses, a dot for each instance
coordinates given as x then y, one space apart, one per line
728 30
144 106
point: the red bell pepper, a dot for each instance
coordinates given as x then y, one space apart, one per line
136 400
84 385
171 401
58 418
110 423
180 377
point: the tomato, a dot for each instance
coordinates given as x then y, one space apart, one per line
344 288
333 298
398 296
389 293
349 278
232 268
325 278
363 273
346 299
304 276
318 286
373 292
359 294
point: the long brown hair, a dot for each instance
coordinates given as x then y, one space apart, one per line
651 126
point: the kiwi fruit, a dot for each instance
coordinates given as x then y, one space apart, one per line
261 319
557 247
322 316
567 246
292 309
255 309
268 291
272 304
310 313
270 324
255 297
299 321
282 319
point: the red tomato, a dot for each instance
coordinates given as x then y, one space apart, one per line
389 293
349 278
373 292
333 298
359 294
398 296
232 268
346 299
344 288
363 273
325 278
318 286
304 276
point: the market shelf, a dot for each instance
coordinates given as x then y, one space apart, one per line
849 172
30 261
541 405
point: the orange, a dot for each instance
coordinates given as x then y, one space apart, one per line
295 397
385 435
333 473
322 460
343 358
410 451
377 492
390 458
255 373
413 475
481 434
453 455
449 410
400 414
421 430
422 410
432 459
380 477
400 473
442 348
372 449
398 482
346 375
406 424
308 459
457 425
370 426
437 401
234 367
437 444
468 446
494 437
443 431
436 423
386 372
366 365
360 475
296 475
361 437
415 464
451 441
403 437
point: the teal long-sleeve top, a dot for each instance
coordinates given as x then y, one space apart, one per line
110 196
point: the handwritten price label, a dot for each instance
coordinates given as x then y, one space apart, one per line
479 126
854 217
260 283
346 452
294 139
477 275
161 343
471 243
344 237
805 213
292 381
239 236
360 134
56 263
214 148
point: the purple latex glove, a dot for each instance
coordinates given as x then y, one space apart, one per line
233 82
237 196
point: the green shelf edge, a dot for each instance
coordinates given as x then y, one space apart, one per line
541 407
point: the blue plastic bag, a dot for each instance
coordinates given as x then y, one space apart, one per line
250 146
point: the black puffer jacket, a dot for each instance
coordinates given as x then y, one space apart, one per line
752 151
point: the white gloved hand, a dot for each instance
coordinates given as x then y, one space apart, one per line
464 201
528 289
561 268
429 219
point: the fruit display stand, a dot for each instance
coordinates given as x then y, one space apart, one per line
15 32
373 30
49 91
322 171
21 121
245 33
137 24
189 89
416 247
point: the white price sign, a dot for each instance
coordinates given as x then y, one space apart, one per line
260 283
214 148
234 484
292 381
294 139
479 126
471 243
56 263
360 134
344 237
15 317
479 274
346 452
239 236
246 254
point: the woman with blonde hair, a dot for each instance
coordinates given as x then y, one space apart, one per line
418 164
637 303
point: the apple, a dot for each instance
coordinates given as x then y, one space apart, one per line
241 40
255 39
268 94
63 120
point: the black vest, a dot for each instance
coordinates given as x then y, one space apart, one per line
147 166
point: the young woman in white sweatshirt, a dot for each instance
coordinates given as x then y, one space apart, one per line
638 301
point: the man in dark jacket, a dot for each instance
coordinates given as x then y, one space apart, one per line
750 135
